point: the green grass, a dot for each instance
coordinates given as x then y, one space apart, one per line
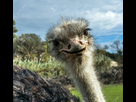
112 93
76 93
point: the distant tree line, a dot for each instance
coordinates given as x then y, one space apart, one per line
116 46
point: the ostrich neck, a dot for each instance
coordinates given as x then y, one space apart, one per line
83 75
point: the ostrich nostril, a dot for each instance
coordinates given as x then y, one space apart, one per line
69 46
80 42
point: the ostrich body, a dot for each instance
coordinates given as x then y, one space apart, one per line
73 45
28 86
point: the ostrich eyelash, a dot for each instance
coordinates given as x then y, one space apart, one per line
86 31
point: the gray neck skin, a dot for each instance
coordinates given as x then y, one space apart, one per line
83 75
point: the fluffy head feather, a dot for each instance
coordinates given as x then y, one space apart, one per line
66 31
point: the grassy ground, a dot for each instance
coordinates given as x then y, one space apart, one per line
112 93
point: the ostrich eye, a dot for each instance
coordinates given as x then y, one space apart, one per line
55 42
86 31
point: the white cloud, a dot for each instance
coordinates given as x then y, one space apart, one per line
104 20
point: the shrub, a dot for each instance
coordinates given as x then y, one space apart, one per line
49 69
102 62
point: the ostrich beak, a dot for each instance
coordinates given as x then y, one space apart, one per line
75 47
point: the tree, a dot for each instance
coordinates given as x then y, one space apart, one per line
118 47
100 50
39 50
14 48
14 29
106 47
46 55
27 45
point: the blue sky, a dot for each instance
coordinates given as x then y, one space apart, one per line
37 16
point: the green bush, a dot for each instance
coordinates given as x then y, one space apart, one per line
102 62
51 68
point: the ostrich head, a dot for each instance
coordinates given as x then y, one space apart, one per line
73 45
71 39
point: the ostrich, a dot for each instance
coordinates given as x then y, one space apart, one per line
28 86
73 45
